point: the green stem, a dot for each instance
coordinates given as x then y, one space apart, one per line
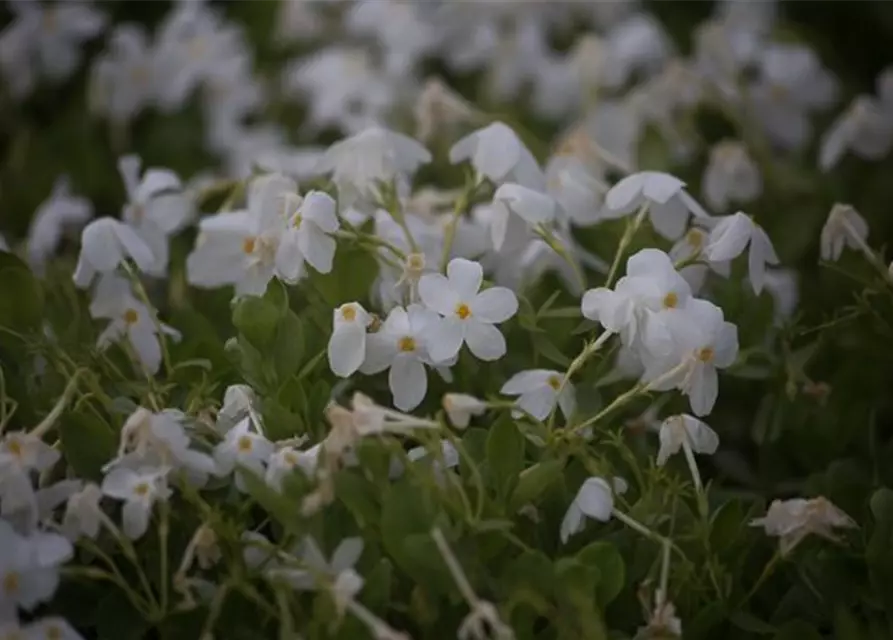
450 231
625 240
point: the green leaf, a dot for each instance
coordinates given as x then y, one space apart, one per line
351 277
530 578
750 623
505 454
285 511
376 593
612 572
359 495
550 352
534 481
288 347
726 525
21 297
257 318
87 444
797 630
117 619
279 422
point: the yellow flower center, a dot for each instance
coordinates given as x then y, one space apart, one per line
131 316
296 223
15 448
555 382
290 458
349 313
705 354
244 444
141 489
462 311
248 244
406 343
671 300
11 582
415 262
695 238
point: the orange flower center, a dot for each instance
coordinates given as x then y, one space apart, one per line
463 311
15 448
141 489
349 314
671 300
706 354
406 343
248 244
555 382
244 444
131 316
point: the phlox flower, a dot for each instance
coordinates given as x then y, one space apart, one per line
306 238
669 204
29 568
792 520
242 447
731 176
498 154
105 244
461 407
595 499
728 238
401 345
130 319
844 228
514 202
60 211
156 207
347 345
285 460
139 490
702 342
865 129
125 77
468 316
539 390
578 190
82 515
678 432
22 455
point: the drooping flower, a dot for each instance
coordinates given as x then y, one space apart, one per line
539 390
684 430
792 520
347 346
497 153
731 176
139 490
844 228
461 407
56 214
594 499
468 316
865 129
528 206
105 244
669 204
306 239
728 238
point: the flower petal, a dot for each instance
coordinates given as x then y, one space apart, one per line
484 340
493 305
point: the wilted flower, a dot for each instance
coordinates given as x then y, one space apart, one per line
731 176
792 520
844 228
595 499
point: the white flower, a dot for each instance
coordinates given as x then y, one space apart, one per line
311 556
124 78
139 490
238 402
45 39
468 316
437 107
347 346
242 447
782 286
21 455
577 189
306 238
130 319
401 344
844 228
51 628
460 407
690 247
156 207
651 286
792 520
359 163
105 244
29 568
531 206
595 500
497 153
865 128
540 390
728 238
703 341
57 213
669 204
240 247
82 513
730 176
285 460
684 430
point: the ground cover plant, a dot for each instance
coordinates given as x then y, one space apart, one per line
379 319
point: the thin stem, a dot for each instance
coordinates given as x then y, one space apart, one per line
588 351
455 568
163 531
625 240
768 570
450 231
867 251
214 610
47 423
692 467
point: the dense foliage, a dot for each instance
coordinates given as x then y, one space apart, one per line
384 319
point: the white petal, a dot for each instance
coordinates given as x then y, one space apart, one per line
539 402
319 207
445 339
380 352
729 237
465 278
347 349
135 518
493 305
408 382
573 522
703 389
660 187
625 195
145 342
525 381
484 340
317 247
595 499
437 294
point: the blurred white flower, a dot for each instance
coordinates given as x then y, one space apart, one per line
139 490
58 213
242 447
461 407
528 206
347 345
306 239
844 228
82 513
669 204
469 316
595 499
792 520
683 430
638 44
865 128
285 460
105 244
29 568
731 176
497 153
52 628
125 77
728 239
